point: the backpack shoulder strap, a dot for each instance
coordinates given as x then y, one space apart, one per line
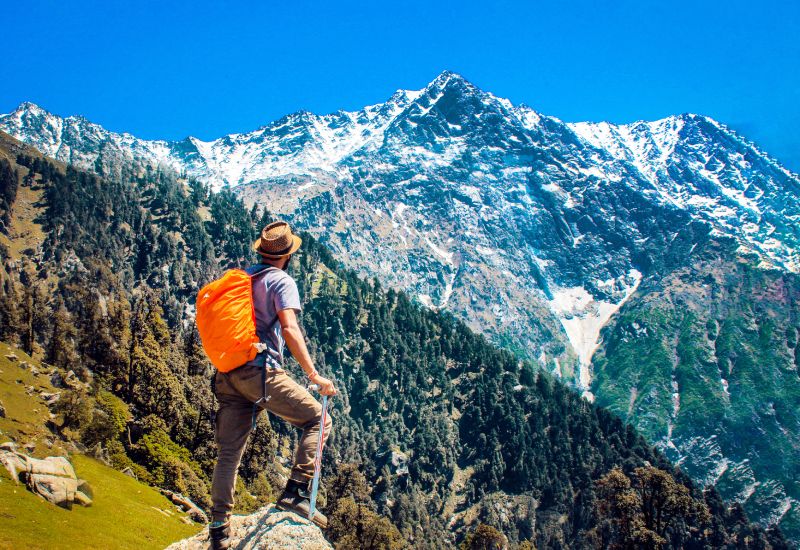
258 269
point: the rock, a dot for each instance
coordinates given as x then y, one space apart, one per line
399 461
68 380
266 528
11 357
50 399
128 472
8 446
197 515
395 459
52 478
186 505
2 411
100 453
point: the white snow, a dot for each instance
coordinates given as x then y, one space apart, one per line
582 318
440 252
306 185
448 290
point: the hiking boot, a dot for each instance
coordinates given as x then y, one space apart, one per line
297 498
219 534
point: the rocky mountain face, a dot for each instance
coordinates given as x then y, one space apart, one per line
534 231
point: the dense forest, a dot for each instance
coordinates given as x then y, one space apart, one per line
439 437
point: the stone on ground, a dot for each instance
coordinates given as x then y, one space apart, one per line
268 527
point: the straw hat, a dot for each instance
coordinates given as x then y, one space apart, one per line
277 241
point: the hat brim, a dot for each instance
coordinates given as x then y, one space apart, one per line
296 242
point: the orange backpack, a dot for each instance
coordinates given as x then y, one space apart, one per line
226 320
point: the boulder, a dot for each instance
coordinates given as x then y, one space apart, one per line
2 411
266 528
52 478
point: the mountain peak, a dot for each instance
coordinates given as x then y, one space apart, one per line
30 107
451 80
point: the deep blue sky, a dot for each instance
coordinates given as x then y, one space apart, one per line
172 69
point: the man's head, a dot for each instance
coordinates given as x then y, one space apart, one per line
276 244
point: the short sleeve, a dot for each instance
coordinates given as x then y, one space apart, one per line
286 295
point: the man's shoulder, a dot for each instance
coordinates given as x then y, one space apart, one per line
279 276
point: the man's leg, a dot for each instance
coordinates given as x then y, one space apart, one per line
292 402
233 424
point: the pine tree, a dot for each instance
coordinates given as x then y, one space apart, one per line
153 386
61 350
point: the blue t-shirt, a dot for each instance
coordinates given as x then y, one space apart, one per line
273 290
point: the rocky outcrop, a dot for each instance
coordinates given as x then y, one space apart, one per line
266 528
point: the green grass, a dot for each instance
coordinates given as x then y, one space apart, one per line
26 415
124 514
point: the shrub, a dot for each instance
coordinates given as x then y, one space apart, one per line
485 537
108 422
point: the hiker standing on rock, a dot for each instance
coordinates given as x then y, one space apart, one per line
261 383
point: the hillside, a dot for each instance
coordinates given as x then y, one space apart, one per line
443 428
124 514
705 362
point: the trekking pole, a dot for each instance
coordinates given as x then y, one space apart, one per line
318 459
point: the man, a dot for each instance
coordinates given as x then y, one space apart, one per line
263 384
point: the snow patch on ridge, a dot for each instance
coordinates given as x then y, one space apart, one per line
583 317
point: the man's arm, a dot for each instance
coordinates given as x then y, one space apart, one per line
293 337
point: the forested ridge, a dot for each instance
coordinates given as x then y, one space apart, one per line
440 431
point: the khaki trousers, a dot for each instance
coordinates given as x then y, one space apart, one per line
236 391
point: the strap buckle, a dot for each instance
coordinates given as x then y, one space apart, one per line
261 347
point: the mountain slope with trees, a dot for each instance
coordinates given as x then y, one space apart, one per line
708 358
442 429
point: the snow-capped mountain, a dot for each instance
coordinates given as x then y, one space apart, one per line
533 230
450 190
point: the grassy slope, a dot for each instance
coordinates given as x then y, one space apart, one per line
24 232
125 513
26 415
